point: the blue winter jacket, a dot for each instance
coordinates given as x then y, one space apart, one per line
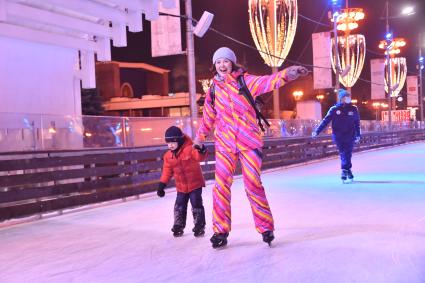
345 122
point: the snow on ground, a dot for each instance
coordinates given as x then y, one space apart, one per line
372 230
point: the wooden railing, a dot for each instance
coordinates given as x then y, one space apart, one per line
40 182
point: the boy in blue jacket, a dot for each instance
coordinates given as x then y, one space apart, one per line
345 130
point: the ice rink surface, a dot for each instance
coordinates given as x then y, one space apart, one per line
372 230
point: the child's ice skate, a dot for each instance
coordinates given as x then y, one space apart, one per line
177 231
198 231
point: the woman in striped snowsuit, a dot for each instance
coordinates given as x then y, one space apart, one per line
237 136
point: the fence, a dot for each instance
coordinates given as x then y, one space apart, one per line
31 132
33 183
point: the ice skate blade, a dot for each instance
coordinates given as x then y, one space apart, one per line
199 235
348 181
220 246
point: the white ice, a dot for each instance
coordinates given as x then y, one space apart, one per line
372 230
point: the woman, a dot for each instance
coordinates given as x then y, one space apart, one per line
237 136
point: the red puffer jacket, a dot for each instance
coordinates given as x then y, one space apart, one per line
184 167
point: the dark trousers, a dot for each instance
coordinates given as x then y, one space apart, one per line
194 196
345 149
180 209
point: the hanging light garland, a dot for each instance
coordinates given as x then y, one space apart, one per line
351 47
352 50
348 18
398 75
273 24
206 83
398 65
395 45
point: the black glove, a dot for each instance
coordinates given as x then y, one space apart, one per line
160 191
201 149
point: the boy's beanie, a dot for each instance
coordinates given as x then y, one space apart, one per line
174 134
342 93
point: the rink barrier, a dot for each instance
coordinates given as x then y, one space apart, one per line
41 182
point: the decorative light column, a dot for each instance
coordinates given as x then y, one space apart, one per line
348 52
273 24
395 69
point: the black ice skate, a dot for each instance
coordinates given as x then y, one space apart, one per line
180 214
344 176
198 231
219 240
350 175
177 231
268 237
199 221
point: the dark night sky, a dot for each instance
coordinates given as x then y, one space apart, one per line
231 18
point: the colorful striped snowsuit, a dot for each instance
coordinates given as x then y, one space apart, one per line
237 136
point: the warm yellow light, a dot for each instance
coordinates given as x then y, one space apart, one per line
347 26
348 19
352 26
298 94
273 25
87 134
146 129
351 51
52 130
206 83
320 97
398 74
376 104
354 101
394 47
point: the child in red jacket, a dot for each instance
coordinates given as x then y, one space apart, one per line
181 161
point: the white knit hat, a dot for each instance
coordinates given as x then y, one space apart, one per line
224 52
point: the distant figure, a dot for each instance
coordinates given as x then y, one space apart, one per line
230 106
181 161
345 130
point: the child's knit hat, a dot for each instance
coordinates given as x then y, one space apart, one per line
174 134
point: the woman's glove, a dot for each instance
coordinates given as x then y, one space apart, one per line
293 72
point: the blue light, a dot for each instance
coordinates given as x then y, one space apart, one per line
336 3
389 35
421 59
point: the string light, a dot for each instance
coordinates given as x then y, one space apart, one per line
398 75
394 45
347 19
352 50
273 24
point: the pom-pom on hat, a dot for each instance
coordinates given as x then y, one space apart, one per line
224 52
